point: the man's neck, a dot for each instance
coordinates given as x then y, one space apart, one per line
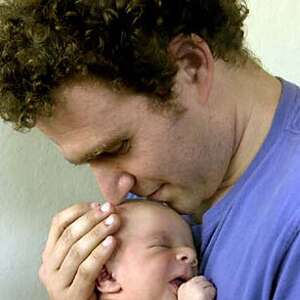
255 94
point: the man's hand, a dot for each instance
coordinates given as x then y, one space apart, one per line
197 288
78 245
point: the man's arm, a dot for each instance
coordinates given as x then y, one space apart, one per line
78 246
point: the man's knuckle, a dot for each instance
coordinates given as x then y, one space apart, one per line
77 207
56 220
76 252
97 255
68 236
84 273
98 231
92 217
80 207
59 222
87 218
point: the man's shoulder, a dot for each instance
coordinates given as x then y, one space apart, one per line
290 99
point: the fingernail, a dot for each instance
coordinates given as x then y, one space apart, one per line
95 205
105 207
109 221
108 241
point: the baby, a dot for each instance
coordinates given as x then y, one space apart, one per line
156 258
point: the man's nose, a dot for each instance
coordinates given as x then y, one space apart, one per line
187 255
113 182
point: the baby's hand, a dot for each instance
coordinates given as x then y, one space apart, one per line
197 288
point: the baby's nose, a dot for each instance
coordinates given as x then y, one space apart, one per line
187 255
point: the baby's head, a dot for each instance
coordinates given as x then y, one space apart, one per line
155 255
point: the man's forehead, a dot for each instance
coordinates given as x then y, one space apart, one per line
87 120
76 97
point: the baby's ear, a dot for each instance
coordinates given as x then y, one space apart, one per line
106 284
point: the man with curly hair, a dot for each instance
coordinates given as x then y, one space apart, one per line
162 99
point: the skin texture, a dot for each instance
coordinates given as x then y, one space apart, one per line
141 167
149 255
76 250
200 139
188 160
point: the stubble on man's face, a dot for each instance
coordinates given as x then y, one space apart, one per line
173 152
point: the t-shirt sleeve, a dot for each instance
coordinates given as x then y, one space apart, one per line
131 196
287 286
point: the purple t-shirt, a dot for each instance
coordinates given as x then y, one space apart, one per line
250 243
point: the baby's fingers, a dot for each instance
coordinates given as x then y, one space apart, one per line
207 287
197 288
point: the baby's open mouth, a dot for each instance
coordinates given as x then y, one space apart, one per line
176 283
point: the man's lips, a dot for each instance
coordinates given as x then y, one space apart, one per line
156 194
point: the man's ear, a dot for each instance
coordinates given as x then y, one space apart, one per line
194 58
106 283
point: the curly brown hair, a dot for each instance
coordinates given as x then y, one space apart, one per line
124 42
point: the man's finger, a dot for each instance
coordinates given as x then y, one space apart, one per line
80 251
74 232
89 270
61 221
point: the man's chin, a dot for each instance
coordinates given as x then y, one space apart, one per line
179 209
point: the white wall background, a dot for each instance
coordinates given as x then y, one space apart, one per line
35 182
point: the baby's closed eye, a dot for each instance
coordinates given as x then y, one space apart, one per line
160 242
160 246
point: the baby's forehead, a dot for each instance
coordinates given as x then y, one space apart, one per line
149 218
142 205
147 210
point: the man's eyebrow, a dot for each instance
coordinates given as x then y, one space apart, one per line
96 152
87 157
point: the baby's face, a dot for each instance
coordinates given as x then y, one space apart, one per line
156 254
